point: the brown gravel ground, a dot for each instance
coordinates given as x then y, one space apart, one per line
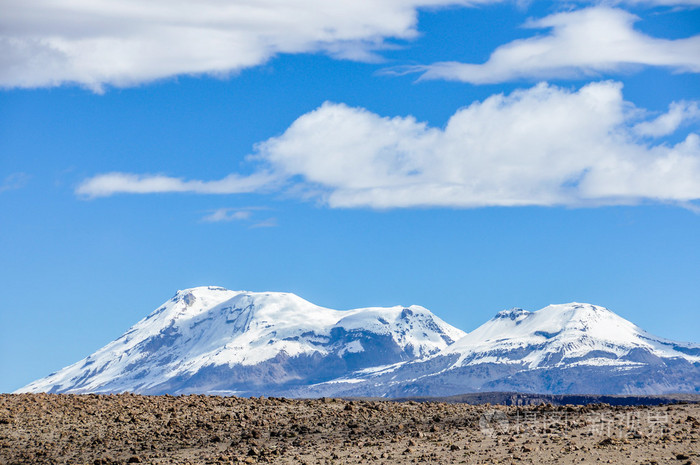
107 429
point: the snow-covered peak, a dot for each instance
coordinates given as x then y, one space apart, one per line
206 327
564 320
188 308
188 303
560 334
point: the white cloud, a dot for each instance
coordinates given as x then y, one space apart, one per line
540 146
108 184
671 3
95 43
582 43
227 215
103 42
678 113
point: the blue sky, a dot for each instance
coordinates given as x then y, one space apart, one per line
467 157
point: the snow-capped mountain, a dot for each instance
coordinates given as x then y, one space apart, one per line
565 335
216 341
569 348
210 339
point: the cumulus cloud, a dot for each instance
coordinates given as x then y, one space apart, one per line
581 43
540 146
108 184
102 42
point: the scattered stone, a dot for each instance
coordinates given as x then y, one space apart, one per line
119 429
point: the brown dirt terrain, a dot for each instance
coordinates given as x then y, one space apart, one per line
107 429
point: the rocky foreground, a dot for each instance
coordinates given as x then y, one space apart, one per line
107 429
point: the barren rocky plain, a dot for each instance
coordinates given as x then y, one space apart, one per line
196 429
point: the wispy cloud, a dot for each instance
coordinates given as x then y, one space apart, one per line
670 3
14 181
244 215
227 215
268 223
108 184
678 113
540 146
582 43
101 42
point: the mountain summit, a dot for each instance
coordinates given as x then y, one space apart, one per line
216 341
564 335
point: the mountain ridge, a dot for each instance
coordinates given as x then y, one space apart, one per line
268 336
570 348
213 340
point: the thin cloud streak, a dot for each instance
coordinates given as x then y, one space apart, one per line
105 185
227 215
668 3
582 43
241 215
268 223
